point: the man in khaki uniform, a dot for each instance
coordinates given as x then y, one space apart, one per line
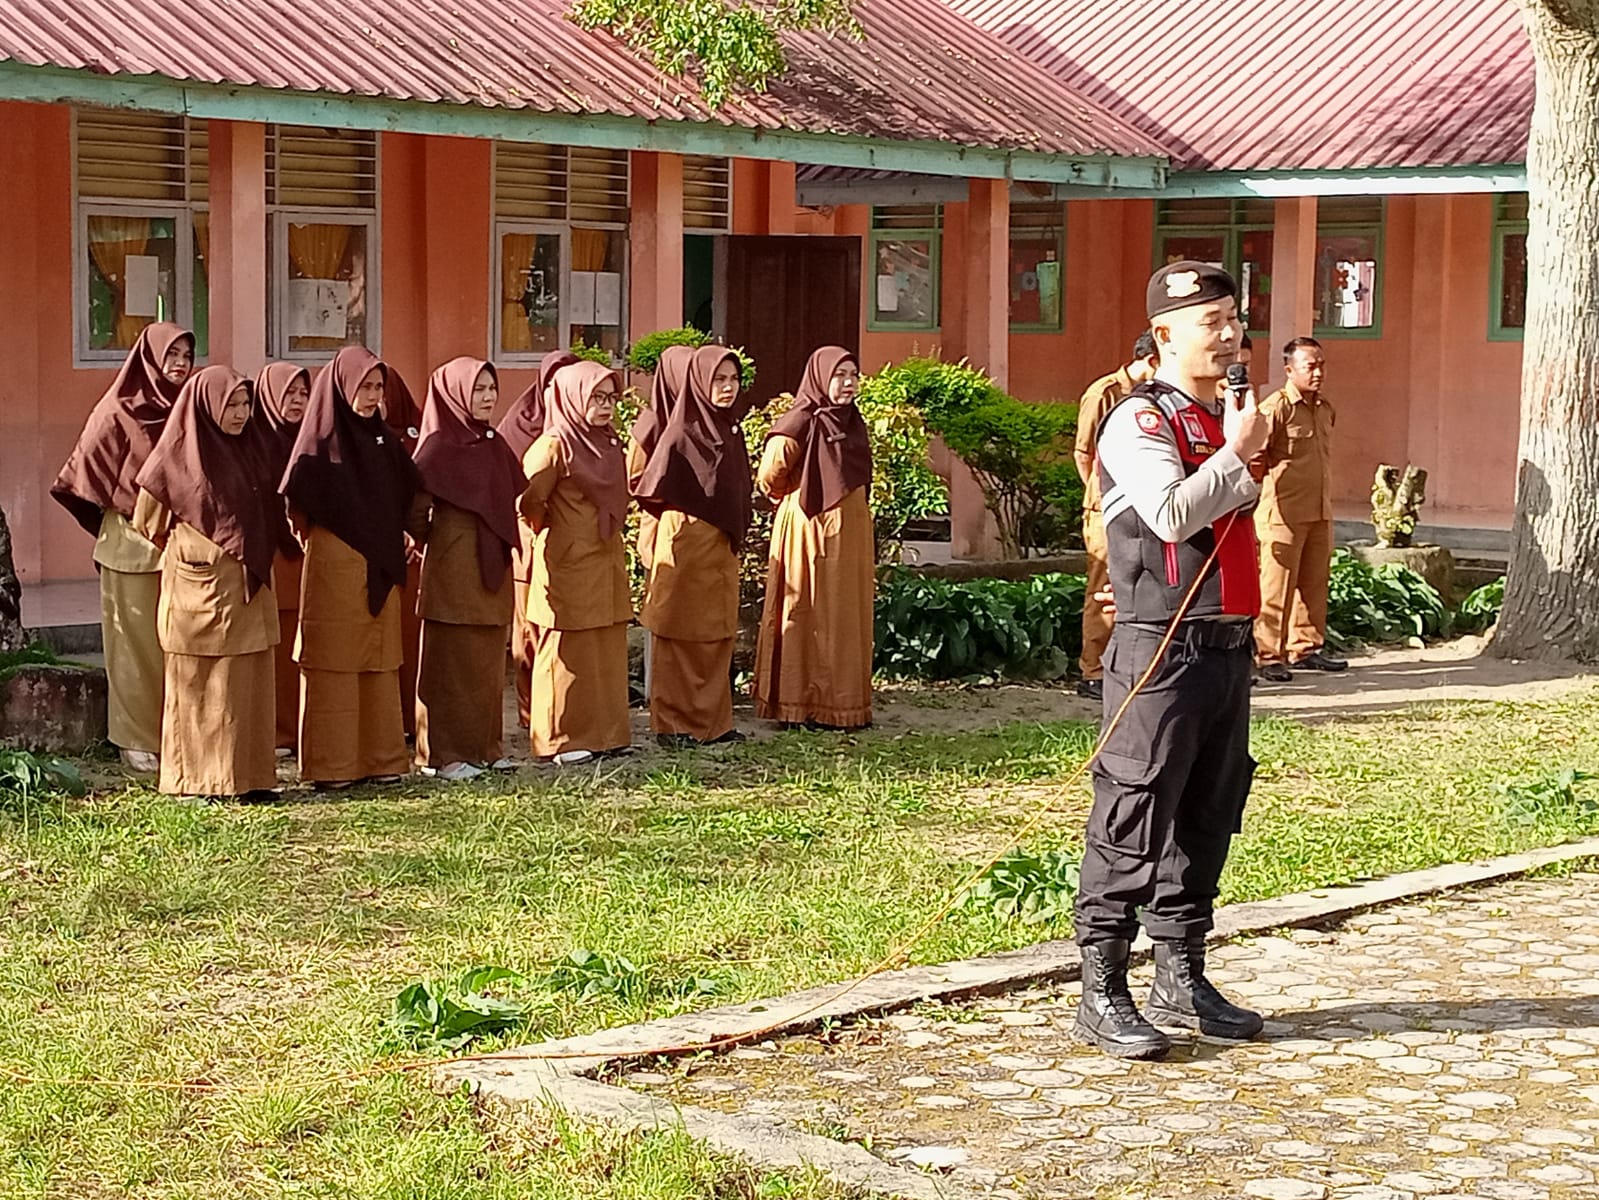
1294 520
1102 395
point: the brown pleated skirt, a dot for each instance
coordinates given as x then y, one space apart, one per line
133 665
218 725
460 694
580 691
411 644
287 676
524 646
690 689
350 726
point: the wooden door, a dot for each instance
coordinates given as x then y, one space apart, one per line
788 295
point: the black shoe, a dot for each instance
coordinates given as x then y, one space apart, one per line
1106 1015
1317 660
1091 689
1276 672
731 738
1183 998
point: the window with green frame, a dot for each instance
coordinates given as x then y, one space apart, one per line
906 243
1235 235
1507 301
1348 281
1037 267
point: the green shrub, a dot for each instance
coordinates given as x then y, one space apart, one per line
1386 603
1021 456
936 389
590 353
1481 608
437 1016
1035 889
936 629
645 354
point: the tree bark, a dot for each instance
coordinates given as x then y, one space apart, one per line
1551 608
12 635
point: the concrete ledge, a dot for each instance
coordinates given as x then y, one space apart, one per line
558 1073
59 709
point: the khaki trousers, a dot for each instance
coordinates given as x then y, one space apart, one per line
1097 624
1295 564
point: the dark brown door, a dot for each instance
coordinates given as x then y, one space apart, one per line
788 295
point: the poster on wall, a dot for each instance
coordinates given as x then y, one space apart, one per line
318 308
141 292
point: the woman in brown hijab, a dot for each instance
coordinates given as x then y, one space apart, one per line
351 487
813 660
206 498
281 392
695 481
403 415
520 427
97 487
474 481
575 503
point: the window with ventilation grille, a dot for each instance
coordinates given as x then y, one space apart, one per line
141 228
1037 267
906 244
1235 235
322 190
1348 278
707 193
1507 296
560 236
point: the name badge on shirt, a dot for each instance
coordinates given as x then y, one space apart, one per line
1198 435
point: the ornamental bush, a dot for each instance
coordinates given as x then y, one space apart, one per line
984 628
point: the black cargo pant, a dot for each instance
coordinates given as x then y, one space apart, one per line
1170 785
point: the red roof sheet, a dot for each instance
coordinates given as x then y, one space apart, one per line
1291 84
924 72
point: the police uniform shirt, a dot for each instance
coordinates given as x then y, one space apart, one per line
1138 450
1297 488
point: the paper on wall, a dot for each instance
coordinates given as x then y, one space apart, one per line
581 299
888 293
607 298
318 308
141 292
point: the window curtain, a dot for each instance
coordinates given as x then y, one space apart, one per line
588 249
317 251
112 240
516 260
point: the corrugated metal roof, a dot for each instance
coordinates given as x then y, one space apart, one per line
924 72
1291 84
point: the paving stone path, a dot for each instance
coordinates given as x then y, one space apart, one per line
1446 1050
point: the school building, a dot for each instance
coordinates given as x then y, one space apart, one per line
992 179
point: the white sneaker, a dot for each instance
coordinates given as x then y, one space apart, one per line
454 772
142 761
571 758
503 764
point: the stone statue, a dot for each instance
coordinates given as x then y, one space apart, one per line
1396 500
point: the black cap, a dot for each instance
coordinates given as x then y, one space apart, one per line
1181 284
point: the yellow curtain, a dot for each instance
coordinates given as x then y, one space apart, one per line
112 241
588 249
317 251
516 260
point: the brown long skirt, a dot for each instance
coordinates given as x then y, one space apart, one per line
411 645
580 691
133 667
460 690
524 646
217 728
287 674
690 689
350 726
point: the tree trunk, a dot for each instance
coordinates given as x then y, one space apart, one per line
12 635
1551 608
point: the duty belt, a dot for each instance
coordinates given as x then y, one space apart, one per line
1204 633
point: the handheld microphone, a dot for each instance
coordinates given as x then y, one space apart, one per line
1237 383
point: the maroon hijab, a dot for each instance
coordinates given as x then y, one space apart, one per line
121 432
667 388
592 453
700 463
352 475
464 462
835 448
400 409
523 422
214 481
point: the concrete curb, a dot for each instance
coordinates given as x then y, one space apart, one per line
515 1078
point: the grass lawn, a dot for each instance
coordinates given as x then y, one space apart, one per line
261 948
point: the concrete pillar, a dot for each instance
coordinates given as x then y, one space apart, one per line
238 261
1435 220
1293 282
26 472
985 342
457 190
780 207
655 243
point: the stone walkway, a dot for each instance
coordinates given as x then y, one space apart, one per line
1446 1049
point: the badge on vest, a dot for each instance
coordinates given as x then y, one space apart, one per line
1194 428
1148 420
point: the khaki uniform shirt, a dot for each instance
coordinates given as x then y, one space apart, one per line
452 590
1101 396
1297 486
579 580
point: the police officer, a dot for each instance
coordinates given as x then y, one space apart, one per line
1170 784
1102 395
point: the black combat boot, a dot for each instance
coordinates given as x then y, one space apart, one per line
1183 998
1106 1015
